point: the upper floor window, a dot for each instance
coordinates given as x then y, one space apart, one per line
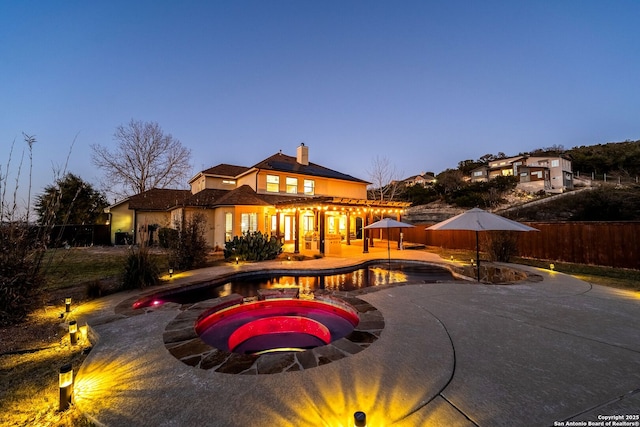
273 183
555 163
292 185
309 187
229 181
478 173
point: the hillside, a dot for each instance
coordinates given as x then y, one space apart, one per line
603 203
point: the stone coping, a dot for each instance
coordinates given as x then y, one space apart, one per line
183 342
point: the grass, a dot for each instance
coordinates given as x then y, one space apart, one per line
66 268
30 379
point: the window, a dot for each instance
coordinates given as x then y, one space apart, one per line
229 181
307 223
249 222
309 187
555 163
292 185
478 173
228 226
273 183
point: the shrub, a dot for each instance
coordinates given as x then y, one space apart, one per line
188 246
252 247
140 270
502 245
166 236
20 262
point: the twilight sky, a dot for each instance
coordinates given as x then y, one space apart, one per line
424 84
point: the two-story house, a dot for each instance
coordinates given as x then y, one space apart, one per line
300 202
534 173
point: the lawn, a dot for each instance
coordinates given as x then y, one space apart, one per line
66 268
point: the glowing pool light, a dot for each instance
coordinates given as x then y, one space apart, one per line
286 324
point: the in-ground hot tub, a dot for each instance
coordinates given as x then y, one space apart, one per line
276 325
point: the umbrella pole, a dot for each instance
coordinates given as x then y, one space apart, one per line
388 248
478 255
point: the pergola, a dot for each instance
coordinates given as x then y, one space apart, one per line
321 207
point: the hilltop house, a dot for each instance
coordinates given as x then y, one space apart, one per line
423 179
300 202
535 173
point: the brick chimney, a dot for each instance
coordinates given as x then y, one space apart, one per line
302 154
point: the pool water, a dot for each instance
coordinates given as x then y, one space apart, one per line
276 325
248 284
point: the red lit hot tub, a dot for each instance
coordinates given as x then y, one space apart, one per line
276 325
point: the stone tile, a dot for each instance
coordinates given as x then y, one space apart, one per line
307 359
189 348
274 363
237 363
214 359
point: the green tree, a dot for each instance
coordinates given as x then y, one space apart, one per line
70 201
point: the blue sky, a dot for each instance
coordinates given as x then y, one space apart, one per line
424 84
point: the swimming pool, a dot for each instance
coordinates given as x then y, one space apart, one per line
369 274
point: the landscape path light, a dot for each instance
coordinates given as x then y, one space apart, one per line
73 332
170 271
359 419
67 304
65 381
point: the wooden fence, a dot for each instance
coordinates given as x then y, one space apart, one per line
612 244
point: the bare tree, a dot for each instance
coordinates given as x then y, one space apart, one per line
144 158
385 180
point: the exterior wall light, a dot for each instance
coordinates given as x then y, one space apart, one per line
359 419
170 271
65 381
73 332
67 304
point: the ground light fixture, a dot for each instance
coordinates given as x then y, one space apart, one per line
67 304
236 260
359 419
451 258
73 332
170 271
552 267
65 381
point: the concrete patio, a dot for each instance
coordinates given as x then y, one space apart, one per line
459 353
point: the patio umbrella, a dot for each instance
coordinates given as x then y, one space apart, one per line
387 223
478 220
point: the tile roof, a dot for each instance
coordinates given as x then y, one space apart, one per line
158 199
206 198
283 163
243 195
226 170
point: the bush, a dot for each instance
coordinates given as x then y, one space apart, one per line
252 247
20 262
188 246
166 236
502 245
140 269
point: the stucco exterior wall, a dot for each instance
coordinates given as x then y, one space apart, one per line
121 220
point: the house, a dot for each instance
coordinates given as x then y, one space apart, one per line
423 179
534 173
314 207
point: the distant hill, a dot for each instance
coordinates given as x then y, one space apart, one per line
606 202
613 158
